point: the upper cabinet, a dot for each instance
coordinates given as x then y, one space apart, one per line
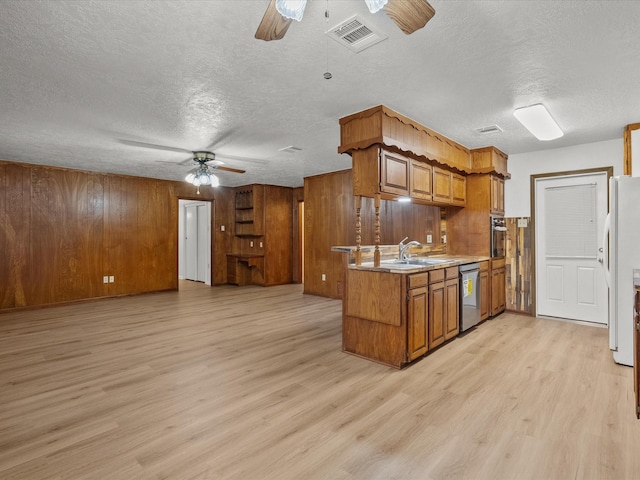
497 195
395 156
421 180
378 171
394 173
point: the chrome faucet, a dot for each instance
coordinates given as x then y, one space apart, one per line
402 248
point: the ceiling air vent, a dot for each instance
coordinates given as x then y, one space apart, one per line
354 34
489 130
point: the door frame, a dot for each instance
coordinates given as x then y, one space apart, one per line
532 191
212 236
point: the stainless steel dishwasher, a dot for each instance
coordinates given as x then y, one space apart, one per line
469 295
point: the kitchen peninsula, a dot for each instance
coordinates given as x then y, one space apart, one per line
396 310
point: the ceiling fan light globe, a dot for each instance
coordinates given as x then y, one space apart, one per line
291 8
375 5
215 181
190 177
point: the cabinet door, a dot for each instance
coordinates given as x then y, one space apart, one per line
502 292
437 299
458 190
417 334
394 174
452 313
484 295
497 195
441 185
497 291
420 180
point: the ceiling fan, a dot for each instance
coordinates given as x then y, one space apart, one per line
202 174
205 161
408 15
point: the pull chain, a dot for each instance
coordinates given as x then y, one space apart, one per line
327 75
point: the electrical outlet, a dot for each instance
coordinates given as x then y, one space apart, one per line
444 239
251 243
112 279
105 279
260 244
324 277
429 239
222 228
523 223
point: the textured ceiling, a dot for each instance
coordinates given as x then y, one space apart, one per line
81 80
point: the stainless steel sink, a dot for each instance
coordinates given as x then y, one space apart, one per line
427 261
415 262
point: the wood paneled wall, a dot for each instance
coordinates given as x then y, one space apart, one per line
62 230
330 218
519 267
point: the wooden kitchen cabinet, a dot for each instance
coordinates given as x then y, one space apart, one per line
452 305
443 305
378 171
421 180
485 292
417 316
458 190
395 318
498 284
394 173
441 185
497 195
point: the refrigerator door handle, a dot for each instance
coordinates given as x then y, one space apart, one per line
605 245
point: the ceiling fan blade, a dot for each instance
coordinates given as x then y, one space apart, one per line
227 169
273 25
409 15
154 146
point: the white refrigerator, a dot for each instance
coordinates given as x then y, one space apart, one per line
622 228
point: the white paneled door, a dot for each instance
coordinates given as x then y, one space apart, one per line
569 216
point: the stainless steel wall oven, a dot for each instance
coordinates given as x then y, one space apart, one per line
498 237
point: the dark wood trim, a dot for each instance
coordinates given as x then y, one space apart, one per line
627 160
532 193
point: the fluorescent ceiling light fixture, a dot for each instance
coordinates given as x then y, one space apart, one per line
538 121
291 8
375 5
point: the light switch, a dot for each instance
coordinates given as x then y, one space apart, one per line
222 228
429 239
112 279
260 244
105 279
251 243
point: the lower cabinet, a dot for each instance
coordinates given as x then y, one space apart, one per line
396 318
485 292
417 316
443 305
498 285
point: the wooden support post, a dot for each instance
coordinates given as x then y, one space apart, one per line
376 252
358 230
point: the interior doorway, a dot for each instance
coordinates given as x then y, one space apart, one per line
569 213
194 241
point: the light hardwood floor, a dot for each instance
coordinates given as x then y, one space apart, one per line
250 383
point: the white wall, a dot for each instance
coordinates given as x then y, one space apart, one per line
517 195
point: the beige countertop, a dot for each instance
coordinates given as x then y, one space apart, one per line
445 262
